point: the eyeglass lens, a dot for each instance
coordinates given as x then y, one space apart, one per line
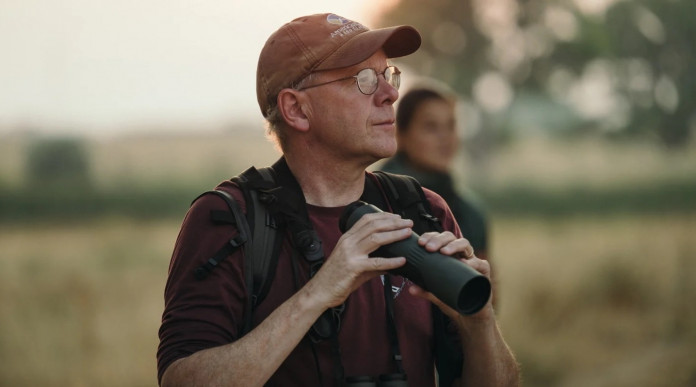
368 81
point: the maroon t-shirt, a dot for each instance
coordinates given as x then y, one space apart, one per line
209 313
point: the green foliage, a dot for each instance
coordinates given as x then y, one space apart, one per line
30 205
642 50
668 196
75 203
58 163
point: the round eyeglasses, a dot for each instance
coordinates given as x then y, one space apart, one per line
367 79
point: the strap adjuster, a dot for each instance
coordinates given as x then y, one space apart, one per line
237 241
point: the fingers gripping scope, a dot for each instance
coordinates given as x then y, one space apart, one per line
452 281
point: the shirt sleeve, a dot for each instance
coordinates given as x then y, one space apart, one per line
200 314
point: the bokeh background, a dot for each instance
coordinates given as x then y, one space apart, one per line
577 120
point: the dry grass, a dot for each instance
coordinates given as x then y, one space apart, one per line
80 304
600 301
197 158
590 301
211 156
590 162
204 158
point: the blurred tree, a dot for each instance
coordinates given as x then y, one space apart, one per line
620 66
58 163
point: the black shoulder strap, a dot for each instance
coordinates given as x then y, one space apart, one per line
235 217
406 197
263 251
258 232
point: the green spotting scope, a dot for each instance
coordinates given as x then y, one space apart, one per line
452 281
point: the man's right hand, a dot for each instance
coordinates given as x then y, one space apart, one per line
349 265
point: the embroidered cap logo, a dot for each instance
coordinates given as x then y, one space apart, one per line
335 19
347 26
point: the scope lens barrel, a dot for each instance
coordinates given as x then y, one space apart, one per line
452 281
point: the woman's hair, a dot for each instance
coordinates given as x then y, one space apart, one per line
410 102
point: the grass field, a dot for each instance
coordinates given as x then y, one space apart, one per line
80 304
585 299
600 301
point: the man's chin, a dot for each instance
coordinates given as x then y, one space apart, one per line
388 150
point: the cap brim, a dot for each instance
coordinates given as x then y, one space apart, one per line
395 41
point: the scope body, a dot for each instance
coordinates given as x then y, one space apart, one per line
452 281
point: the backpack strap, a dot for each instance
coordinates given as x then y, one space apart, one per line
274 203
234 217
262 244
263 251
406 198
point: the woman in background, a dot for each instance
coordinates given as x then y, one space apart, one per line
427 143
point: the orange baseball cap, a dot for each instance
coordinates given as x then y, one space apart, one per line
323 42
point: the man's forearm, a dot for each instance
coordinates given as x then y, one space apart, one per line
488 360
251 360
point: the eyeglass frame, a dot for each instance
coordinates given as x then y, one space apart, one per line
395 72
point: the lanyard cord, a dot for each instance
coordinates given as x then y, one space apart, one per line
334 314
372 194
296 278
391 325
339 372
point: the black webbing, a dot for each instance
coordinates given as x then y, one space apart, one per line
235 242
374 195
292 203
336 352
391 324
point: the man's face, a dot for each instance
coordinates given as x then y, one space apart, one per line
348 123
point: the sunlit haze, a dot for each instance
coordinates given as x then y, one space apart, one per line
97 66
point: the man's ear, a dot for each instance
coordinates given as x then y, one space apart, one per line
290 106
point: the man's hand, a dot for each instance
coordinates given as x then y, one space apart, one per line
349 265
448 244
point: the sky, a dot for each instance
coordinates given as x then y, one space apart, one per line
100 66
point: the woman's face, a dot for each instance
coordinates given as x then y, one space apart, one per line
430 141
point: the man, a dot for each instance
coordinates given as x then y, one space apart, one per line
327 91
